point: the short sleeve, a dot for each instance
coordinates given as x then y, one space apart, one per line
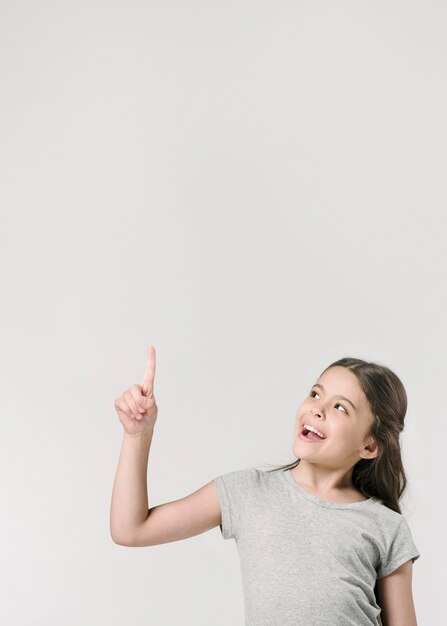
401 549
234 490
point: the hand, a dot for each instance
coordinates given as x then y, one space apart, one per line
136 407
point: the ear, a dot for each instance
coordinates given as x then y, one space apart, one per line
370 451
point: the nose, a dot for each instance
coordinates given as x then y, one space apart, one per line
317 411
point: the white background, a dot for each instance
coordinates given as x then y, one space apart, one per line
254 188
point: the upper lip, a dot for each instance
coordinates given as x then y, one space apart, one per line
314 425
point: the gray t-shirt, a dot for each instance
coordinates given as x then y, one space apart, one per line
307 561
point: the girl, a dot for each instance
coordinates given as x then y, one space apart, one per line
322 540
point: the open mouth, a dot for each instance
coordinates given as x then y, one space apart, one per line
309 435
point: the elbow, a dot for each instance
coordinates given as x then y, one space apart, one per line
122 542
121 539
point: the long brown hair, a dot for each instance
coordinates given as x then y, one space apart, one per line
383 476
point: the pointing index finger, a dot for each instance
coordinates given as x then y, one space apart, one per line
148 380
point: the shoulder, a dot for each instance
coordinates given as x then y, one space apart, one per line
395 541
236 481
247 479
384 516
386 524
238 475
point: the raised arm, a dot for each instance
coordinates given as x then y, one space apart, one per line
132 522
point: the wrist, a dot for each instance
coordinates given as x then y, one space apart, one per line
140 436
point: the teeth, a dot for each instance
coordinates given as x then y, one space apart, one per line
314 430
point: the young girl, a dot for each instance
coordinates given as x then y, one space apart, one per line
322 540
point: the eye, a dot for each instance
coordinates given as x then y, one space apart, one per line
342 407
338 404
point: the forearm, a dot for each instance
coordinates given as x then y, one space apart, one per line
129 506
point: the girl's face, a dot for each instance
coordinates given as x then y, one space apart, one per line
337 407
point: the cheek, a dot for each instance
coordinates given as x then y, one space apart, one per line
350 437
344 435
302 410
303 406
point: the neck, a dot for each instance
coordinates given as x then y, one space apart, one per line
323 479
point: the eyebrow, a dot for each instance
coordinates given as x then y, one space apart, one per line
343 397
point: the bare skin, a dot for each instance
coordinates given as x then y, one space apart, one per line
325 468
